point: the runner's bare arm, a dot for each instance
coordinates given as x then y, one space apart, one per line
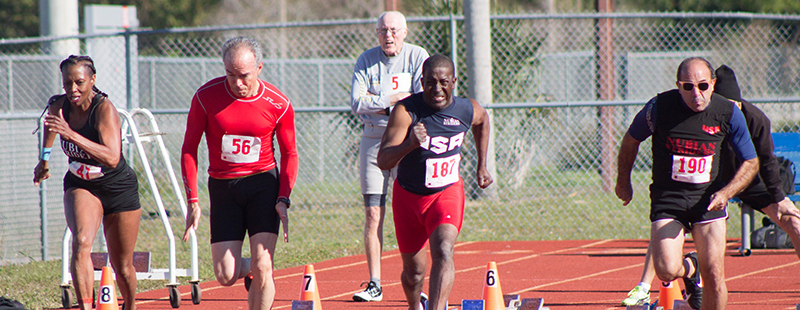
396 141
107 151
627 155
741 179
480 132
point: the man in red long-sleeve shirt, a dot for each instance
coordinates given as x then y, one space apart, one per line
240 114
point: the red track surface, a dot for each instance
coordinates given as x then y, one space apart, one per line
577 274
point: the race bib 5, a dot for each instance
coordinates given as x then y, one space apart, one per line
441 172
240 149
689 169
85 171
396 83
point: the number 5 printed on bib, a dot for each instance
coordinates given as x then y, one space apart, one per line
396 83
240 149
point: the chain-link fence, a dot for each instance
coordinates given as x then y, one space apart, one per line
554 138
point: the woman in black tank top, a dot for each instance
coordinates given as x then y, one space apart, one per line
99 185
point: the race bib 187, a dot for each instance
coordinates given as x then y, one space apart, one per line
441 172
240 149
690 169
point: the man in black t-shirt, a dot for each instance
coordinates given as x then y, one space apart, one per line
688 126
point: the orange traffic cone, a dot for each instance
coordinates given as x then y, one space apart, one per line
309 290
669 292
492 294
107 299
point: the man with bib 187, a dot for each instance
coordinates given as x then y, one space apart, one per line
423 139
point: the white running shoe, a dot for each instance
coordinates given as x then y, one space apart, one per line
371 293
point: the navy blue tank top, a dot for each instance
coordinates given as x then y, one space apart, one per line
687 144
433 166
89 131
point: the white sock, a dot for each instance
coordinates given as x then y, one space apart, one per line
645 286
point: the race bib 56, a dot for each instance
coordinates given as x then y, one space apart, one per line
240 149
690 169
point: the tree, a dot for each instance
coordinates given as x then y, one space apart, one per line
763 6
21 18
159 14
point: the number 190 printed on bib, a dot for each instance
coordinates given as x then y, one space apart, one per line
690 169
241 149
441 172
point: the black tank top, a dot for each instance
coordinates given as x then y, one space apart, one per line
89 131
687 144
433 166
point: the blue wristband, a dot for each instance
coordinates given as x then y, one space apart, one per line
46 153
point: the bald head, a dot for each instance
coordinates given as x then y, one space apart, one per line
398 19
683 68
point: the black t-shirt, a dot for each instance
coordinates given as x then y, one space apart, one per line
759 127
433 166
89 131
687 144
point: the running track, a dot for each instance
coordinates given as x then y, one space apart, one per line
576 274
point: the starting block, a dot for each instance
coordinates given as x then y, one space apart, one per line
302 305
472 304
532 304
681 304
512 302
638 307
141 261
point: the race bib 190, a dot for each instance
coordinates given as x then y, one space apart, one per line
240 149
396 83
84 171
441 172
689 169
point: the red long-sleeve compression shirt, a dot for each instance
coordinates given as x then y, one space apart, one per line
239 134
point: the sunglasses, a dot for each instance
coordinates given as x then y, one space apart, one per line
689 86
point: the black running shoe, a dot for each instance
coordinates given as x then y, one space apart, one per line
693 284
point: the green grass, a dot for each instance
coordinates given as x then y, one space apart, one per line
553 205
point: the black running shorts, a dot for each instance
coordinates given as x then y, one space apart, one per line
243 205
118 193
688 207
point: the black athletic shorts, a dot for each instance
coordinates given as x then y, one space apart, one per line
688 207
756 197
117 194
243 205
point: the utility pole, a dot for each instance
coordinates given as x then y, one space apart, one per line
604 57
479 71
392 5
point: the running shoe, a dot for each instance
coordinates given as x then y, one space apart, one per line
638 296
247 281
693 284
372 293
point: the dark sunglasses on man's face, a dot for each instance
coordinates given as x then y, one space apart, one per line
689 86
